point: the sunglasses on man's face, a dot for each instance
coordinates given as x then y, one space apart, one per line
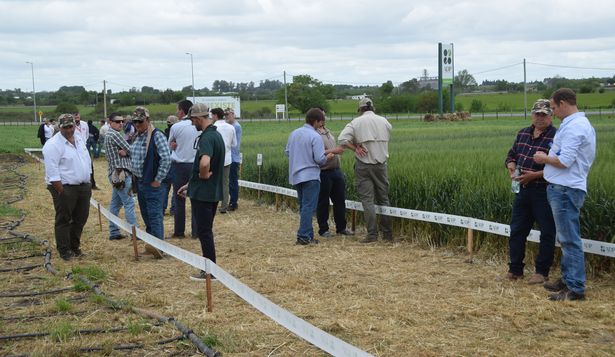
118 121
138 121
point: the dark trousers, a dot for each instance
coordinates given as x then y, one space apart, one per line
233 184
332 185
531 205
205 213
182 175
72 210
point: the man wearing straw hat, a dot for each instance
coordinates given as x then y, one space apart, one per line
67 173
531 204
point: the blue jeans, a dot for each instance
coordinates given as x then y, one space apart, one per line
182 173
531 205
93 145
119 198
233 184
566 203
307 193
150 203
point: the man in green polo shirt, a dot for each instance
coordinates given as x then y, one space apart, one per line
205 185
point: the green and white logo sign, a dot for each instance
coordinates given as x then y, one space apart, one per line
447 64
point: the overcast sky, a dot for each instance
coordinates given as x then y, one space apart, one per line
136 43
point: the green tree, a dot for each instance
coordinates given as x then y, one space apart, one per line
306 92
476 106
464 81
65 107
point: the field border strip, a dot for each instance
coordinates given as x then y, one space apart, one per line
589 246
285 318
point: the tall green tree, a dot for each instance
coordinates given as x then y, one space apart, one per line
306 92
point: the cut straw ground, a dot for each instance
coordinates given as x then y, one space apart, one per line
388 299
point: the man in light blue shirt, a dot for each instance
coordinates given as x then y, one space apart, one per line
229 114
306 152
566 168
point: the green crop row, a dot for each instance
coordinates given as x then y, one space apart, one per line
448 167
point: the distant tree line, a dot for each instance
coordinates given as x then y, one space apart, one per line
305 92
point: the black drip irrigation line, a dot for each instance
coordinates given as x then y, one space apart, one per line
36 293
134 346
21 336
21 258
113 304
181 327
23 268
42 316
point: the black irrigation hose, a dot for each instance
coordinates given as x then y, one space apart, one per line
181 327
21 336
40 316
23 268
134 346
36 293
20 258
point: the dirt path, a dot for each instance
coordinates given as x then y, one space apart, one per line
387 299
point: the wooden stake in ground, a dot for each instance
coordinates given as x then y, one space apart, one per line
99 218
470 245
208 291
134 242
354 220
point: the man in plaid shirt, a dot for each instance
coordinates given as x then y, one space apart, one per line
117 152
151 160
531 204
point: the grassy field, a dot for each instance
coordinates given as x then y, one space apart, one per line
502 103
450 167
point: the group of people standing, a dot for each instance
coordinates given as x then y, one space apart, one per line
314 171
189 158
551 166
202 153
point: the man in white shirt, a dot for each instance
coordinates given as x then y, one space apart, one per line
182 138
566 168
82 130
230 141
67 173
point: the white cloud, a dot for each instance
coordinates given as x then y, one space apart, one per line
136 43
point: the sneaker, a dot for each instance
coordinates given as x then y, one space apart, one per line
369 240
301 241
201 276
117 237
66 256
537 279
153 251
566 294
510 277
555 286
175 235
346 232
314 241
232 208
326 234
223 210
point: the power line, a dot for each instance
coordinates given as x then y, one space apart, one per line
499 68
574 67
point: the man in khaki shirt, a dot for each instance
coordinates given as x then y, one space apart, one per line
368 136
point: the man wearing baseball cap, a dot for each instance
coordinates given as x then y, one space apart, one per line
67 173
368 136
151 160
531 204
205 184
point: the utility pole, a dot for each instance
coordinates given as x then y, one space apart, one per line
524 90
105 97
285 98
192 69
33 91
